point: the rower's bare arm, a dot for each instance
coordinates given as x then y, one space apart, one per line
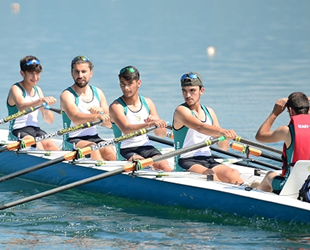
68 105
16 98
118 117
264 133
183 116
47 115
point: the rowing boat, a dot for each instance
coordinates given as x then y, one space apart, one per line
188 190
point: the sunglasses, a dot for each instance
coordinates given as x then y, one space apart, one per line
82 58
191 75
32 62
130 69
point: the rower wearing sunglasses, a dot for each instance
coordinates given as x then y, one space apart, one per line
132 112
26 94
194 123
83 103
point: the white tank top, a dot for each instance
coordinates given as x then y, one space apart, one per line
137 118
83 108
30 119
190 137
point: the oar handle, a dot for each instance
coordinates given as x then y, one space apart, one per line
58 111
20 113
258 145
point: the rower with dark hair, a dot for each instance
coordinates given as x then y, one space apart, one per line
194 123
83 103
132 112
25 94
296 138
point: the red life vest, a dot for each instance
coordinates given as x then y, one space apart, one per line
300 133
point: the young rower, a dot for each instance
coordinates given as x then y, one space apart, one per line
194 123
84 103
26 94
132 112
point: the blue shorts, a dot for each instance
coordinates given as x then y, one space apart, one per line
206 161
144 151
278 183
29 130
91 138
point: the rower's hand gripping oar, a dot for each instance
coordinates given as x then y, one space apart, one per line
21 113
31 141
126 168
77 153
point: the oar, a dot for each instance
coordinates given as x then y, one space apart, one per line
170 143
253 151
79 153
21 113
34 140
258 145
126 168
169 174
251 160
161 140
59 111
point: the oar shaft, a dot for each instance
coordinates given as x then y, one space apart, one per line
161 140
20 113
169 174
32 141
122 138
254 151
31 169
67 130
66 157
188 149
247 159
61 188
258 145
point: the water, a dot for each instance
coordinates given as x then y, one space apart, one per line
262 54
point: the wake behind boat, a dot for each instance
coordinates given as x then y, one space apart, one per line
188 190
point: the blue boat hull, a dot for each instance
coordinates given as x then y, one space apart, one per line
157 191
